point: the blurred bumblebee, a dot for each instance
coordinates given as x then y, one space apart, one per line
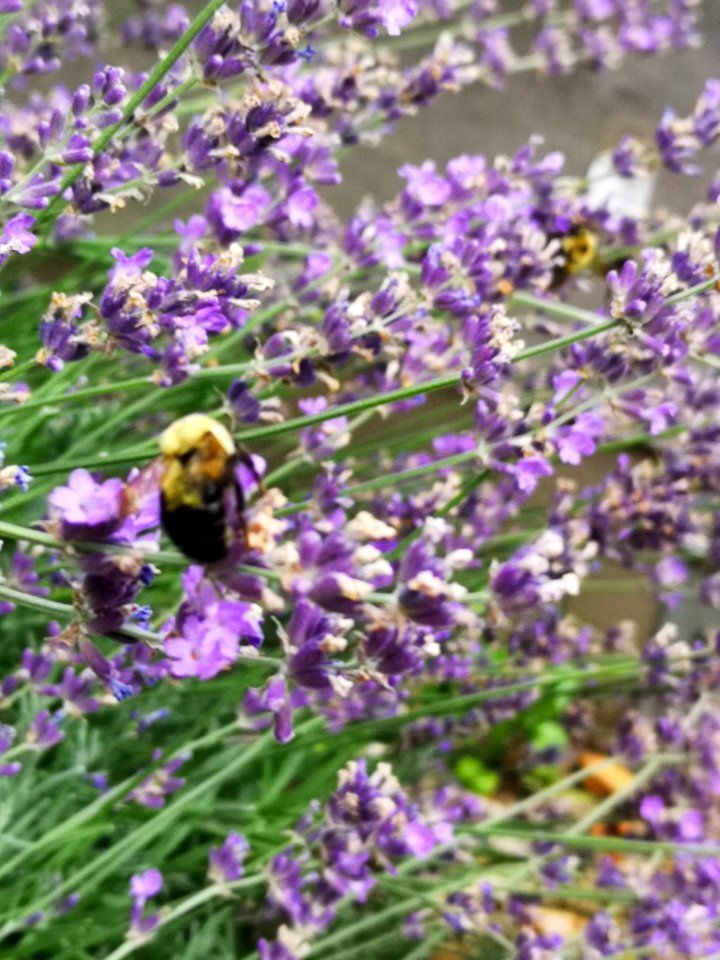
578 251
201 499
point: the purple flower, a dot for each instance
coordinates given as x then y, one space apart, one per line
563 384
44 731
234 211
143 887
86 509
529 470
300 205
369 825
226 861
495 54
580 439
243 401
662 417
312 637
397 14
208 631
424 185
283 948
367 15
156 29
15 236
276 700
7 736
153 791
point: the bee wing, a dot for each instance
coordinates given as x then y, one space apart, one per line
142 489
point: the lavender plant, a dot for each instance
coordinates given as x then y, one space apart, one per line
391 726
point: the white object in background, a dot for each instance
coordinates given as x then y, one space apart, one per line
620 196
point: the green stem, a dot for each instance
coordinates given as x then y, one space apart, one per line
556 308
600 844
425 949
35 602
347 409
86 393
216 890
559 343
708 284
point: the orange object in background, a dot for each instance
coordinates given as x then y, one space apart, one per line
611 778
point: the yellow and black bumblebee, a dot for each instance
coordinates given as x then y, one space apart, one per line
578 251
201 500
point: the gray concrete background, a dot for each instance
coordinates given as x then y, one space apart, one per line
579 114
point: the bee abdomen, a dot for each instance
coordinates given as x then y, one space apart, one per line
199 532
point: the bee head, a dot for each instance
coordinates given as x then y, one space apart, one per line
195 433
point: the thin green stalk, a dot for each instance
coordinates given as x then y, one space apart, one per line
601 844
29 534
702 287
290 466
140 227
369 947
347 409
559 343
51 607
554 308
84 393
18 371
190 903
449 706
56 834
362 926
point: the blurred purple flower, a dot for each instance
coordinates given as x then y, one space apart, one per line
15 236
209 629
226 861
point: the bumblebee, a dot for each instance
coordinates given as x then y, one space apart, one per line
201 500
579 247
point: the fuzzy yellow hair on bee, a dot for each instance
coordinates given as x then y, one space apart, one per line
200 496
578 252
580 248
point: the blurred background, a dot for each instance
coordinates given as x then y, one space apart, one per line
580 115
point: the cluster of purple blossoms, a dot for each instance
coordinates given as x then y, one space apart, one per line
153 790
428 582
167 320
114 513
209 631
46 34
226 861
544 572
367 827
